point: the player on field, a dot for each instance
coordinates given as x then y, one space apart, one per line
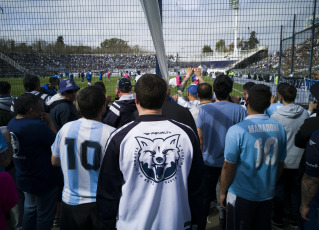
255 151
79 148
152 172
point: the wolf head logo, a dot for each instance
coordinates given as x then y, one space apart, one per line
158 158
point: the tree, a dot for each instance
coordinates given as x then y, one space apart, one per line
207 49
220 46
115 45
252 41
60 41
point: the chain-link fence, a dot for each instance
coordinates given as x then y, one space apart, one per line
64 37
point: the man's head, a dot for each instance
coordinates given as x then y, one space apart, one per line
100 84
192 92
91 102
246 88
28 105
223 85
258 98
31 83
150 92
68 89
5 88
53 81
204 91
287 93
314 90
123 86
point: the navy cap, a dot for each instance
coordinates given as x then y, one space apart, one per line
67 84
122 82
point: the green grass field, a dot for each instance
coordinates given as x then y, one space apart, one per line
17 86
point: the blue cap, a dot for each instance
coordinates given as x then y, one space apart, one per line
192 89
122 82
67 84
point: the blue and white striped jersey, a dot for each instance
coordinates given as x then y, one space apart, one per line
80 145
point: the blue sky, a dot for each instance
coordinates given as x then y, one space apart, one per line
187 24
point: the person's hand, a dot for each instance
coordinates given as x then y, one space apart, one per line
175 97
273 99
235 99
46 117
189 71
222 198
198 71
312 105
108 99
304 212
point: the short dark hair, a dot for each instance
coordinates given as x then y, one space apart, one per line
90 100
205 91
30 82
5 88
25 102
288 93
151 91
259 97
101 85
248 85
223 85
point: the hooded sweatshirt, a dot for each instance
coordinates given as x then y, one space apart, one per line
291 117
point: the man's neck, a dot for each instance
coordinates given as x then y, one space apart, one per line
204 101
142 111
217 100
286 103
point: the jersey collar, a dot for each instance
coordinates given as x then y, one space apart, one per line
263 116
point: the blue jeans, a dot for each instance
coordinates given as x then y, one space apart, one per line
39 210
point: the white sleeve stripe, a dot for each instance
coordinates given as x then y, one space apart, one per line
114 110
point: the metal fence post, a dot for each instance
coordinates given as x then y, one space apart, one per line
280 53
293 45
312 38
158 71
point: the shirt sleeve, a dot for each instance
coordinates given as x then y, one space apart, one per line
312 156
199 121
232 148
109 185
283 150
195 186
3 144
55 148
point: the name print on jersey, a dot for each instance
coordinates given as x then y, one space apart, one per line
158 158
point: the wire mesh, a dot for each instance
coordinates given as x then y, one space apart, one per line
48 37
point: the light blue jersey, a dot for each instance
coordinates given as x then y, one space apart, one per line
80 145
214 120
273 108
256 145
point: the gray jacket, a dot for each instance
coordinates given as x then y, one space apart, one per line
291 117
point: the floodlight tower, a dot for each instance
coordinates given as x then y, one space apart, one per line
234 4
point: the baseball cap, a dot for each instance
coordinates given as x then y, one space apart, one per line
122 82
67 84
192 89
314 90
